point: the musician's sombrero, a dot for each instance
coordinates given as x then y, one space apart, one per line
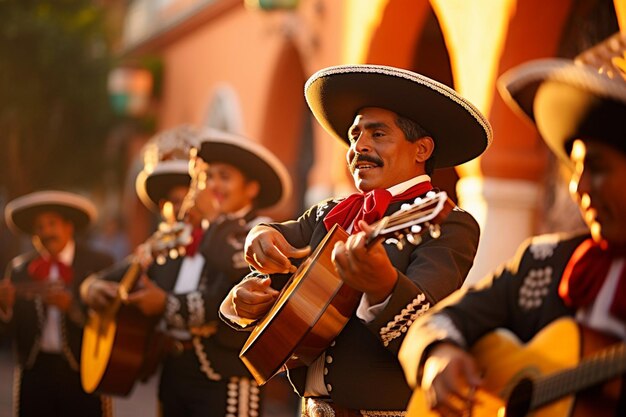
153 186
166 164
570 99
459 130
254 160
20 213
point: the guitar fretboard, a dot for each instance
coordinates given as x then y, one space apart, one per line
598 368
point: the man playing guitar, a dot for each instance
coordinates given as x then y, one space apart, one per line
579 109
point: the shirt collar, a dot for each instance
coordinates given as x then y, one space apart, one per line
66 255
403 186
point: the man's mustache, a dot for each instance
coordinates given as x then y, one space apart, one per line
365 158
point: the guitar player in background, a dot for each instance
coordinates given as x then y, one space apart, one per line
579 108
203 376
40 307
398 126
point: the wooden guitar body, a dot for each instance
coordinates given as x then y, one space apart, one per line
538 378
120 345
114 349
312 309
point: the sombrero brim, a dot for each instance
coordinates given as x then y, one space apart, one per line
20 213
153 186
255 161
565 101
460 131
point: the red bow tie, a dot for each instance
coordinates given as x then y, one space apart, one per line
370 206
39 269
586 272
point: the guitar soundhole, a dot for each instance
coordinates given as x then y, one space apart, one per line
518 404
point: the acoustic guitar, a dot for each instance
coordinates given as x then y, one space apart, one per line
566 370
315 304
120 344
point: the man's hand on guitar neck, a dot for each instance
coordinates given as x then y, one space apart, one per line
367 270
450 378
98 293
268 251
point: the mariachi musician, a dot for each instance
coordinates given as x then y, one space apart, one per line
203 374
39 304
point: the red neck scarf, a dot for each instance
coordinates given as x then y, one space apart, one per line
586 272
370 206
39 269
196 237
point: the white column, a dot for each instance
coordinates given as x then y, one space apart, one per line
506 210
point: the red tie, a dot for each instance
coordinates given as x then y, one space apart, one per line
370 206
586 272
39 269
196 235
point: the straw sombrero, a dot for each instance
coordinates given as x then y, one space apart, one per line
460 131
570 99
20 213
254 160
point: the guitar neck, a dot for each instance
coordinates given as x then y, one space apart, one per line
598 368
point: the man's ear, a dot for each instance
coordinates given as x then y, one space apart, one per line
425 149
252 189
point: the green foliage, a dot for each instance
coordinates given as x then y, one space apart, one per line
54 112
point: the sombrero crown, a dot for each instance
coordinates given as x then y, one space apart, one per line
20 213
569 99
459 130
166 164
255 161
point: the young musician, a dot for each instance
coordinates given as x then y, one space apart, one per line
203 375
397 126
39 304
580 111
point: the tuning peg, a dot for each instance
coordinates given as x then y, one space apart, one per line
173 253
182 251
160 259
416 229
431 194
434 230
414 238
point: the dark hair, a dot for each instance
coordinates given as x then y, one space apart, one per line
413 131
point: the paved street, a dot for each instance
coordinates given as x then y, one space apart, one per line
142 401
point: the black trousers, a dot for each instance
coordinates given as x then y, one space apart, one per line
185 391
52 389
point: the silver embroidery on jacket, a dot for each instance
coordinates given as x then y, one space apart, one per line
535 288
195 306
542 247
402 321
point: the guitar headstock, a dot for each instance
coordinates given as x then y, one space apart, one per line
413 220
169 240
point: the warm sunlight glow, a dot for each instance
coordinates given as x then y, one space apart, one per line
474 32
360 24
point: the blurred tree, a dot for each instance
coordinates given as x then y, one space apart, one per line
54 109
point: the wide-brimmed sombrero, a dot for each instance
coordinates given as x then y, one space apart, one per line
459 130
165 164
152 186
254 160
20 213
570 99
